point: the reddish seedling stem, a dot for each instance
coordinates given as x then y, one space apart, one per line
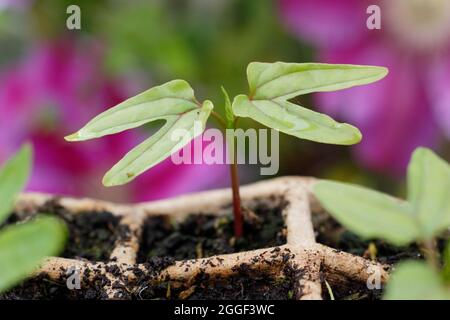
237 210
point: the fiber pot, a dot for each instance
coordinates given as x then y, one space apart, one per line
128 263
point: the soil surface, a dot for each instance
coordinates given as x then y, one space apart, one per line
247 283
92 283
201 236
143 274
332 234
329 232
345 289
44 288
92 235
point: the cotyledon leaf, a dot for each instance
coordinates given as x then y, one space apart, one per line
295 120
13 177
368 213
429 191
284 81
23 246
170 99
178 131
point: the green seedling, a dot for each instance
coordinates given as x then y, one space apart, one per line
272 86
24 245
423 216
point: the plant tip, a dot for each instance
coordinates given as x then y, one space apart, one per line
72 137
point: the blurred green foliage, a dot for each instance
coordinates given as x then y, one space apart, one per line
208 43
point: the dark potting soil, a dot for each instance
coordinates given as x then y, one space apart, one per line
333 234
329 232
248 283
92 283
92 235
351 290
44 288
143 275
200 236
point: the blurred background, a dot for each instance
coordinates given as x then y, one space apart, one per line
53 80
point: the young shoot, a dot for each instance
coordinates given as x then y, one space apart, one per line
23 246
272 86
420 219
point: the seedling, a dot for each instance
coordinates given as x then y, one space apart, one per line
423 216
23 246
272 85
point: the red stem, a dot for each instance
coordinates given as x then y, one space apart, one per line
237 210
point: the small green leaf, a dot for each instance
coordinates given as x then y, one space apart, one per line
284 81
296 120
368 213
170 99
159 146
23 246
228 109
273 84
429 191
173 102
414 280
13 177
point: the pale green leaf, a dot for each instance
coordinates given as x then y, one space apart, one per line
296 120
429 191
13 177
273 84
414 280
368 213
284 81
170 99
173 102
229 115
160 146
23 246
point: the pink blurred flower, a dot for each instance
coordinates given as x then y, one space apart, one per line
411 107
55 90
